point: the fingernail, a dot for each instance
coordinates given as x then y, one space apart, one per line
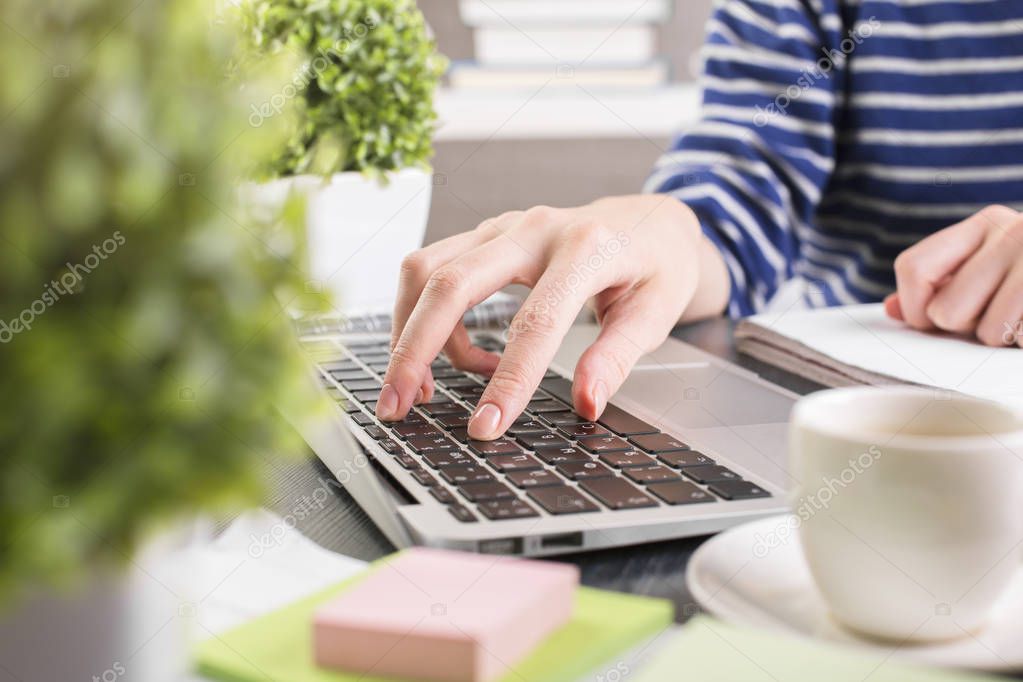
387 405
484 423
419 396
599 396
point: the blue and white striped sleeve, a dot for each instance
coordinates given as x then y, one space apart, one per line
754 167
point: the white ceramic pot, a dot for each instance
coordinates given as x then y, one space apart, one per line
127 625
358 229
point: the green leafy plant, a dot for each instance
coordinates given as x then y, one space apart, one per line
141 340
361 95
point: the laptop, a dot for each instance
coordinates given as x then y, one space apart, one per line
690 445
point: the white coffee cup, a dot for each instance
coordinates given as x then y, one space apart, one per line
910 505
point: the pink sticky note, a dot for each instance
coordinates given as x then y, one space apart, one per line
440 615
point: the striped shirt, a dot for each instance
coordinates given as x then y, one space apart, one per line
836 133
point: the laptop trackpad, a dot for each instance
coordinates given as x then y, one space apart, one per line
706 396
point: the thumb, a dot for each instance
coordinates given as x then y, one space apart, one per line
893 307
631 327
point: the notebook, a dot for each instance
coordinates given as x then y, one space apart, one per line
860 344
711 651
278 646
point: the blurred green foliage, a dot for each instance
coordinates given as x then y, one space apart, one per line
361 96
142 333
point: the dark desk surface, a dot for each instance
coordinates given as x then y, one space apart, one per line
654 569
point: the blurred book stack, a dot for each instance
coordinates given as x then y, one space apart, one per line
555 43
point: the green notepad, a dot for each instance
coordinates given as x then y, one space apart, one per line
278 646
711 651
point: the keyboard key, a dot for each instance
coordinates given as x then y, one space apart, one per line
538 478
341 366
684 458
617 493
466 474
461 513
545 405
605 444
583 430
562 418
408 461
565 454
423 478
439 363
738 490
562 499
443 495
559 387
406 431
389 446
659 442
501 446
366 396
461 435
425 444
578 471
680 492
350 407
447 375
623 423
363 345
490 490
449 458
711 472
436 409
526 426
373 356
346 375
380 367
464 392
497 510
361 384
362 419
627 458
455 379
454 421
375 432
548 439
654 473
507 463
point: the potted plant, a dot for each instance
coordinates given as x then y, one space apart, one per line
359 110
141 341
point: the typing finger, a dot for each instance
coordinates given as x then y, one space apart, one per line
535 334
415 270
631 326
447 294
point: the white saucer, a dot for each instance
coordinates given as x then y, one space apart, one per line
774 590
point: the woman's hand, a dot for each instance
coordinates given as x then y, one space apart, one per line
641 258
967 279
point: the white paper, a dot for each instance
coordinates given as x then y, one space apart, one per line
865 337
259 564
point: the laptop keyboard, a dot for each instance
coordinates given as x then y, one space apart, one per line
550 461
